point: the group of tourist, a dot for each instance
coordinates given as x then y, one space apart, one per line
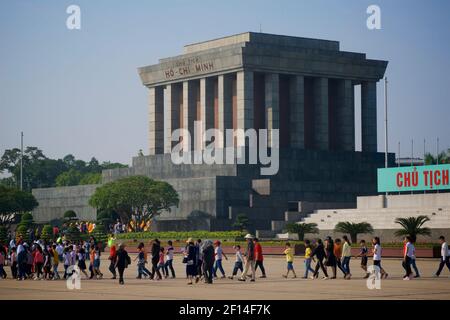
203 259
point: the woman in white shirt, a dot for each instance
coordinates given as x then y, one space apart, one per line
376 251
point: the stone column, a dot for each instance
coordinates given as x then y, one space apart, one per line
272 106
369 116
321 132
156 120
345 116
206 105
189 112
171 114
225 116
296 120
244 95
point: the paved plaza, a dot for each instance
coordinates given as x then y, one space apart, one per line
274 287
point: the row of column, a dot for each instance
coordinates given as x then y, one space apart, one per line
311 112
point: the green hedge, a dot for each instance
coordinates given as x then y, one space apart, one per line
174 235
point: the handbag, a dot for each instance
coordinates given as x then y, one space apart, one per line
185 260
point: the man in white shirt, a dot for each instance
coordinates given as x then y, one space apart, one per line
445 256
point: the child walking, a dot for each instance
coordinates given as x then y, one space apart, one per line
376 251
308 260
289 259
169 260
142 260
238 263
82 261
363 251
218 256
161 262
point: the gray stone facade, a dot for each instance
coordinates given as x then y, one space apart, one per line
53 202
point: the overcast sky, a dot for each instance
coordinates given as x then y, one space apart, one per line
78 91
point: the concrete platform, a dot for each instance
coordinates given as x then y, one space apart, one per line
274 287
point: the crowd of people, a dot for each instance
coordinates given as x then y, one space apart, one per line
41 260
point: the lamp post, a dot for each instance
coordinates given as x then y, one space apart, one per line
21 160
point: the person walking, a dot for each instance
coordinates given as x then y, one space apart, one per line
413 258
408 252
376 251
191 260
142 261
259 258
346 256
308 259
112 260
208 261
156 249
445 256
122 261
289 253
238 263
219 254
363 253
330 258
338 254
169 259
81 257
13 262
250 259
198 245
319 253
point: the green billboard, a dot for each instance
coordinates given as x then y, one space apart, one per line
415 178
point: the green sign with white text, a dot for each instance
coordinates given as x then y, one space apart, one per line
415 178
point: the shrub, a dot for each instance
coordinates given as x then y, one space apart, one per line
47 233
73 234
99 233
27 216
70 214
24 232
182 235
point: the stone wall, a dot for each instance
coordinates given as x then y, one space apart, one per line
53 202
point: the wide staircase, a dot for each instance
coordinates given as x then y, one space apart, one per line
382 211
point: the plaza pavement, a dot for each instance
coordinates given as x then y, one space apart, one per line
274 287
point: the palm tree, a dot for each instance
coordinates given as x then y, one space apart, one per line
353 229
412 226
301 229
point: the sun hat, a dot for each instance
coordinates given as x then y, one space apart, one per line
189 240
248 236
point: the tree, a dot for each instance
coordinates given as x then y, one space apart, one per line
69 178
353 229
3 235
412 226
14 202
40 171
139 198
301 229
443 157
242 222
